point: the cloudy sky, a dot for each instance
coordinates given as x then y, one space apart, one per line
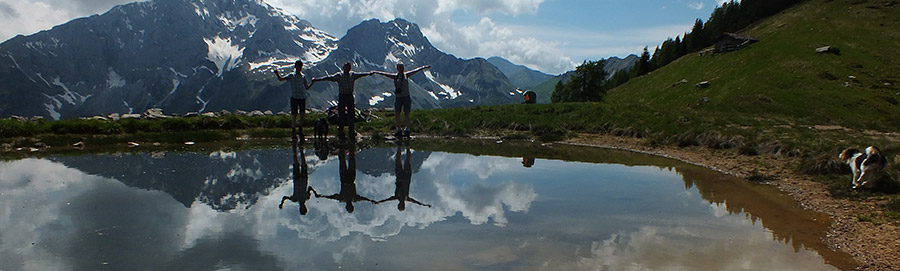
549 35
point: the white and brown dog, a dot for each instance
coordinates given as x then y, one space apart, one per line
867 167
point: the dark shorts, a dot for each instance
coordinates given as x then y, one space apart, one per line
297 105
345 100
402 104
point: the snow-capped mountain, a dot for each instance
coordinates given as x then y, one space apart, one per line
451 82
180 55
209 55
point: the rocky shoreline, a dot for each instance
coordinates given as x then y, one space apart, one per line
874 247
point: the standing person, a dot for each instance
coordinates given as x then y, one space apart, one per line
401 92
346 103
299 86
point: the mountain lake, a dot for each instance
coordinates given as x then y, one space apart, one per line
465 206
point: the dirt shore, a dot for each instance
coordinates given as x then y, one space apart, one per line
875 247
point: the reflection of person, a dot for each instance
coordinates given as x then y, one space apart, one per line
346 103
402 102
348 193
301 183
404 179
299 86
527 161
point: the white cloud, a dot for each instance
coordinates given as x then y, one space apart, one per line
27 17
484 38
697 5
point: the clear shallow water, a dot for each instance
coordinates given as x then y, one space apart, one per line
220 210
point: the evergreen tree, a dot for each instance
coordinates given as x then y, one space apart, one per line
588 83
643 65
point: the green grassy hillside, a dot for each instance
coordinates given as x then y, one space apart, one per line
778 88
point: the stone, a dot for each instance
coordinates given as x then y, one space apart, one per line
154 113
209 114
131 116
268 113
704 84
828 50
256 113
114 116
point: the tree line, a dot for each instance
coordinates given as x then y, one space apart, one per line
590 82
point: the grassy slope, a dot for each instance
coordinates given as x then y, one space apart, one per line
777 88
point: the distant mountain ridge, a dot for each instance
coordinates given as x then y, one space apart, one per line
519 75
613 64
200 55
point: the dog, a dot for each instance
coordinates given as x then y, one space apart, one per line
320 128
867 167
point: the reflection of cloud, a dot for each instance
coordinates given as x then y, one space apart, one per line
675 248
479 202
57 218
482 166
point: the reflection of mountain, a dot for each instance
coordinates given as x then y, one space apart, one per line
223 180
379 161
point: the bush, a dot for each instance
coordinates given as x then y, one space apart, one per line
81 126
14 128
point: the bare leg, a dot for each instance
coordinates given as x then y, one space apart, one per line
406 120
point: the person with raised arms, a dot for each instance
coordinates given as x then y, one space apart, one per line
346 80
402 102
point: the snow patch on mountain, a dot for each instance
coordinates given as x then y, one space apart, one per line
114 79
408 50
448 91
231 24
223 53
375 100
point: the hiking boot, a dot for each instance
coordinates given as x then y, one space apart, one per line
398 133
406 132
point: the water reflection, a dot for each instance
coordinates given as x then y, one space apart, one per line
300 173
404 173
347 172
217 211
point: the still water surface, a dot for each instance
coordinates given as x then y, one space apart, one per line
220 211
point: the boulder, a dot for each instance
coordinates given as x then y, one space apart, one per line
131 116
154 113
209 114
256 113
37 118
704 84
114 116
19 118
268 113
828 50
